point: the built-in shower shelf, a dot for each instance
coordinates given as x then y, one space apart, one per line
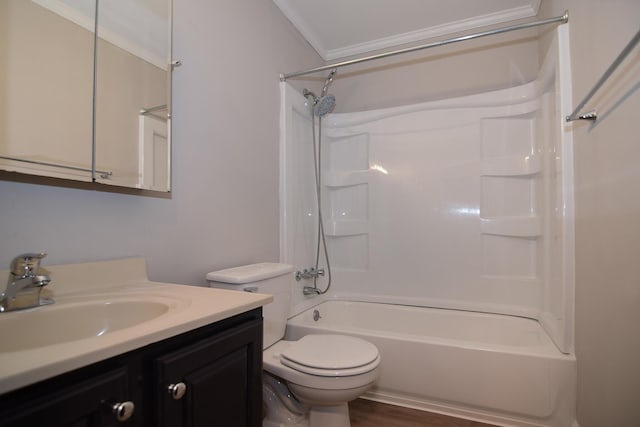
346 228
511 166
346 178
512 226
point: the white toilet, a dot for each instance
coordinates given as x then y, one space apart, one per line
306 383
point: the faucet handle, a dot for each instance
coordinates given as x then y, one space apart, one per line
26 265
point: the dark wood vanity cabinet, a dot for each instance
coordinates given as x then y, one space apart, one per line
206 377
217 381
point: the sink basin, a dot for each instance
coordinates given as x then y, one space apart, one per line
61 323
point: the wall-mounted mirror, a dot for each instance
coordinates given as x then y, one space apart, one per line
78 107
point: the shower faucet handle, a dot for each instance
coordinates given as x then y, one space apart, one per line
309 273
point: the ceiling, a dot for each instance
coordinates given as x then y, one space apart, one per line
340 28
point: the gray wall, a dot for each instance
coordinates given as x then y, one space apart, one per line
607 191
607 217
224 206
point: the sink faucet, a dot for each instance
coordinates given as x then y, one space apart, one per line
24 284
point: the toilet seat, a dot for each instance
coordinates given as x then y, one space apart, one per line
330 372
272 363
331 355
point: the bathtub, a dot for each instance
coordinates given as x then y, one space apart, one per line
498 369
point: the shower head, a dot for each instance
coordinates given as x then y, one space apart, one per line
324 105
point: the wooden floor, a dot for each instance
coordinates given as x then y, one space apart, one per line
366 413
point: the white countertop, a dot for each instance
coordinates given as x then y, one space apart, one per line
189 307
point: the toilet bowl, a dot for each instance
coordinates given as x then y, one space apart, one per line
309 382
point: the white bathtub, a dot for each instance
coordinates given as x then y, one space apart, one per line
494 368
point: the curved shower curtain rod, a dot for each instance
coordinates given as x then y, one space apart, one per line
561 19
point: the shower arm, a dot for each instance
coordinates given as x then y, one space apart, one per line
558 19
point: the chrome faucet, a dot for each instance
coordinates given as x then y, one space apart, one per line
311 290
309 273
25 284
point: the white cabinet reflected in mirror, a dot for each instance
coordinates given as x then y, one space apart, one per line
46 91
50 123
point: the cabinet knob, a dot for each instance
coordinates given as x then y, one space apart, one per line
123 410
177 390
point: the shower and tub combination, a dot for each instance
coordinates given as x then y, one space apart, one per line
442 233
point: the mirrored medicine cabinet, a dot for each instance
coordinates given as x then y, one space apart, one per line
85 91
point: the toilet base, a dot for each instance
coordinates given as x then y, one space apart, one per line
334 416
282 409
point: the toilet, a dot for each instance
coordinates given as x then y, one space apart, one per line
308 382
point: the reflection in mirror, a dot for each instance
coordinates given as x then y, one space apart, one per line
47 123
132 117
46 81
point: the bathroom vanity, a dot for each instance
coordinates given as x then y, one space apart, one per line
196 363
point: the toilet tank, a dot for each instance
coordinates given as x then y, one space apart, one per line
265 278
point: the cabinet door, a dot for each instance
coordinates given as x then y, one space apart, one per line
83 404
222 376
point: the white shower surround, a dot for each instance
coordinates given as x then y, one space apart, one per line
462 203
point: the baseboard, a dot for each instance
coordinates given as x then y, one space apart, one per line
502 420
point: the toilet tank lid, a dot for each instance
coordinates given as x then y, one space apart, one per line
249 273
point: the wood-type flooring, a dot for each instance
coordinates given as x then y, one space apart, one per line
366 413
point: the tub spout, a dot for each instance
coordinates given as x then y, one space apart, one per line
310 290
